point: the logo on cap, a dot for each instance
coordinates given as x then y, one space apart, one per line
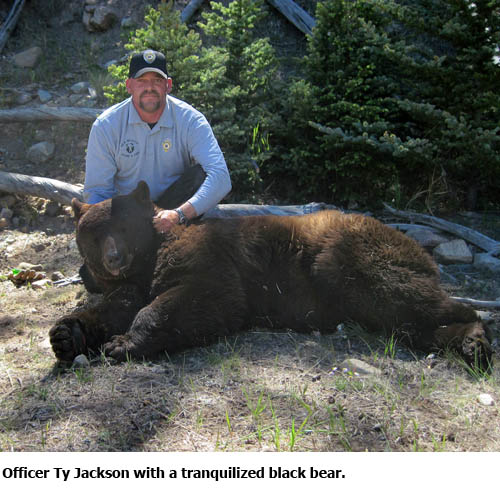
149 56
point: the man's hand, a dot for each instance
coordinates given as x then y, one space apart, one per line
165 220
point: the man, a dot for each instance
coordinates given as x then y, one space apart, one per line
157 138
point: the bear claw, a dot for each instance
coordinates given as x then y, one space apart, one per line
67 340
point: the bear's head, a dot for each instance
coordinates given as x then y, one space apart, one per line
115 237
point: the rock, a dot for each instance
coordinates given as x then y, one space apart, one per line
127 23
426 237
24 98
4 223
80 88
453 252
44 96
486 400
99 18
29 267
360 367
81 361
41 152
486 262
28 58
41 284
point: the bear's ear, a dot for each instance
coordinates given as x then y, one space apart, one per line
79 208
141 193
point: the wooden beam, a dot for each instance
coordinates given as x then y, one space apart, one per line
10 22
45 113
42 187
190 9
295 14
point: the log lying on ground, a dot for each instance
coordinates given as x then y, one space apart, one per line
480 240
190 9
42 187
10 22
63 192
486 304
295 14
45 113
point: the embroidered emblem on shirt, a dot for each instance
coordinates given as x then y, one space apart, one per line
167 144
149 56
129 148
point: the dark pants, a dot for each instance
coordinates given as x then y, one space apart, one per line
178 193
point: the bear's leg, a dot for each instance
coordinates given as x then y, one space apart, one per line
86 331
470 340
180 318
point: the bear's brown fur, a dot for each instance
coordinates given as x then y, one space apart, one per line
166 292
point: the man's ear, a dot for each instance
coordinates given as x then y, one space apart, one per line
128 85
79 208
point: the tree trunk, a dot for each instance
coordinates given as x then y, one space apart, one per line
49 113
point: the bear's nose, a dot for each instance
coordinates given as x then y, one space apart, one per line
112 258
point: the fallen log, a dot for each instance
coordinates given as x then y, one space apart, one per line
10 22
295 14
41 187
482 241
190 9
46 113
487 304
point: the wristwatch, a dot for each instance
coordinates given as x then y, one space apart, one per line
182 216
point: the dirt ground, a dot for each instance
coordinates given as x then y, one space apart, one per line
259 391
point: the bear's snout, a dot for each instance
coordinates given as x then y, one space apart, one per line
115 261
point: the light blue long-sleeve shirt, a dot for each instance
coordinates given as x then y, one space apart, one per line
123 149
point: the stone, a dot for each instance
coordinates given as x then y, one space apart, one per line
453 252
29 267
486 262
4 223
359 367
100 18
23 98
486 400
80 88
28 58
41 284
44 96
127 22
40 152
81 361
426 237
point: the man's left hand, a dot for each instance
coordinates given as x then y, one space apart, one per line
165 220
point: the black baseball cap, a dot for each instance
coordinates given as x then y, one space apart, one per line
149 60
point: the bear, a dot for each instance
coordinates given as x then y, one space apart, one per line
197 283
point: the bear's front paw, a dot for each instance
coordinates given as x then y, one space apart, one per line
67 339
477 350
119 348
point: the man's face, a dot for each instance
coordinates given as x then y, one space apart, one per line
149 91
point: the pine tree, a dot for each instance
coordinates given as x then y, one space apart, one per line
163 31
236 89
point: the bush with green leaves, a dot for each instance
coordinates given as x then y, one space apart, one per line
400 95
237 88
163 31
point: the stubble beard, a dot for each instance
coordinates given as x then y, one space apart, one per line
150 106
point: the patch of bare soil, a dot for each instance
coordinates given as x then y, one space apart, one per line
274 391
